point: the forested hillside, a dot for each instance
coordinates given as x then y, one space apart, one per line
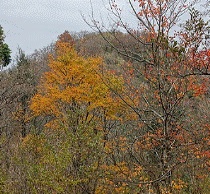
118 110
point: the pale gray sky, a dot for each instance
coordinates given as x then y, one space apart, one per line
33 24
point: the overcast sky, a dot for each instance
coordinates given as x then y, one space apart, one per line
33 24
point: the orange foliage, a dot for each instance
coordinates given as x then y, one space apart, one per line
74 82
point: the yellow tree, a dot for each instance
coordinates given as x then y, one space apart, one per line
72 83
78 107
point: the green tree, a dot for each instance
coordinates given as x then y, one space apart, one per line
5 52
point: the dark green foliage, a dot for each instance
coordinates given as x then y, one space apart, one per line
5 52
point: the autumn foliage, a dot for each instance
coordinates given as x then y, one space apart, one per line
135 119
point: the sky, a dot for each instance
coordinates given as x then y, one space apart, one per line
33 24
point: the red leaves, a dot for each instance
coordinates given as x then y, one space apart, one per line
201 62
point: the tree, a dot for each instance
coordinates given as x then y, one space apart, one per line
77 106
5 52
165 78
17 86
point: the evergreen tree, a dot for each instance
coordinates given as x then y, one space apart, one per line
5 52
